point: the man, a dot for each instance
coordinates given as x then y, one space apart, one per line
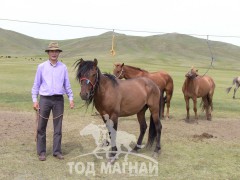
51 83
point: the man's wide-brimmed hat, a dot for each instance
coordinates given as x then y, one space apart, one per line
53 46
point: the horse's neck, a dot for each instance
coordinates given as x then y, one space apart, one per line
103 86
190 82
130 72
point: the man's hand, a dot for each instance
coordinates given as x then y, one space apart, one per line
71 104
36 106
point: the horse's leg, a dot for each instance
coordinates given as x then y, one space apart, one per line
169 96
143 127
158 129
162 103
206 106
169 92
187 106
235 89
195 107
210 99
111 124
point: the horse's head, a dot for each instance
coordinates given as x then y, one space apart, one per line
192 73
87 75
118 70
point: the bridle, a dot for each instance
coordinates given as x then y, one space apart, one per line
120 73
89 81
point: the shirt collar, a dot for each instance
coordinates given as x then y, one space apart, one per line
54 65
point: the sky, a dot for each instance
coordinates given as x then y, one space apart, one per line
82 18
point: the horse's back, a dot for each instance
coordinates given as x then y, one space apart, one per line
134 93
139 86
162 79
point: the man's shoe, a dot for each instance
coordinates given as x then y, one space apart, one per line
59 156
42 157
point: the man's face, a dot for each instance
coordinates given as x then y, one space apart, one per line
53 55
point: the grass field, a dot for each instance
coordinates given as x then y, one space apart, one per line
185 153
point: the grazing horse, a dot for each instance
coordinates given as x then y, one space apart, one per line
114 98
236 81
196 86
163 80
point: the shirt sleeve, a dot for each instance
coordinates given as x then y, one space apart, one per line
36 85
67 86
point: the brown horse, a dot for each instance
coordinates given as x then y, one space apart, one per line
163 80
115 98
196 86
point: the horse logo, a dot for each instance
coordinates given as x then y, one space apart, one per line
102 139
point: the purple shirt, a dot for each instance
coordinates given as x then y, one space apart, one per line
51 80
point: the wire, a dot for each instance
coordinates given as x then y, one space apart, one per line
110 29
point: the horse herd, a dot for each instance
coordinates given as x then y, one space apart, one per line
142 90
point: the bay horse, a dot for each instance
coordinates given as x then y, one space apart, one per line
114 98
163 80
236 81
196 86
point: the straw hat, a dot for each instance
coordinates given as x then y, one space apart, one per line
53 46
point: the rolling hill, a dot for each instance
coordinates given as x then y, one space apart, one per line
164 47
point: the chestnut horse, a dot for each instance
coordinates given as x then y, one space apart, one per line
163 80
114 98
196 86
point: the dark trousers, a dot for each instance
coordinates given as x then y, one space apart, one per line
56 105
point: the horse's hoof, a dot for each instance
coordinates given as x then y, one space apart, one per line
134 150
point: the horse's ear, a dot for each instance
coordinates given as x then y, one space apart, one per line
122 65
95 62
81 60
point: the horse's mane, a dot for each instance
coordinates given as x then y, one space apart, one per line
136 68
83 67
111 77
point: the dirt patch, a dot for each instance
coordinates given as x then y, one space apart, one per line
203 136
15 125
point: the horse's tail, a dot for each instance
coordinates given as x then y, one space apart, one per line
207 103
152 133
152 128
233 82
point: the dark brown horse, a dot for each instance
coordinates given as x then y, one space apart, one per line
115 98
163 80
196 86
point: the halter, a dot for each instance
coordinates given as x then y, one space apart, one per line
93 85
120 73
88 81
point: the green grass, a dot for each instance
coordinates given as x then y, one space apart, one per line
181 158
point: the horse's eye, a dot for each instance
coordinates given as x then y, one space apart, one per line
87 81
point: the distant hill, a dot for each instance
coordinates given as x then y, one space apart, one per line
166 46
